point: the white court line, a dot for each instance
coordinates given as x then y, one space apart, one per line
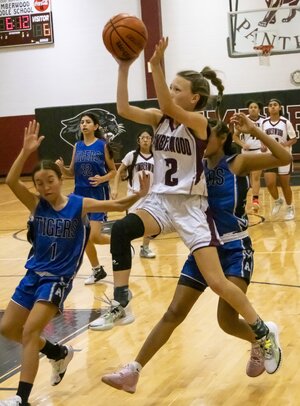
172 255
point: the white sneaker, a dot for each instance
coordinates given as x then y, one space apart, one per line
271 348
14 401
116 315
59 367
97 275
145 252
290 213
124 379
277 206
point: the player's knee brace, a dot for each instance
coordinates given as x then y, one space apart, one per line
122 233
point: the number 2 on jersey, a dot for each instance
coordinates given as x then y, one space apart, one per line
169 179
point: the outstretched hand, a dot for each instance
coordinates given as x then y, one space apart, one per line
144 180
124 62
159 51
32 141
242 123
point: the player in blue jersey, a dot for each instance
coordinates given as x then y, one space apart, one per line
228 184
59 233
93 166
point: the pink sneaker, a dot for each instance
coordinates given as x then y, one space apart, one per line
125 379
255 366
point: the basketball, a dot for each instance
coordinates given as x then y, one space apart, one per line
125 36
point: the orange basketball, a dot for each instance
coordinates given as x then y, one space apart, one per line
125 36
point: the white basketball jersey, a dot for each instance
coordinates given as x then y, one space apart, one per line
178 154
281 130
143 163
254 143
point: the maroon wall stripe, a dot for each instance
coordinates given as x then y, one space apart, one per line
11 141
151 15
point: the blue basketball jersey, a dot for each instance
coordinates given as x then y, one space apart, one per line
59 238
89 161
227 195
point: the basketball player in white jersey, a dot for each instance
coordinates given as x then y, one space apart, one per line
281 129
252 145
178 201
134 162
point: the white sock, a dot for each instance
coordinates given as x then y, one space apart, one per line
135 366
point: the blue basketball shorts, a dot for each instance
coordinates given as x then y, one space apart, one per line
35 288
236 258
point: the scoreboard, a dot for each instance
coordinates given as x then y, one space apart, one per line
26 23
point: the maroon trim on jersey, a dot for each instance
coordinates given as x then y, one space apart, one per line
145 158
200 148
284 120
215 240
171 123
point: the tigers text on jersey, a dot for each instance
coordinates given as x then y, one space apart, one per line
227 195
281 130
178 167
143 163
254 143
89 161
59 238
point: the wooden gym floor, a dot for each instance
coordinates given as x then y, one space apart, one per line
200 365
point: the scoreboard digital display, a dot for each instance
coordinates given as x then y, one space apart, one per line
26 23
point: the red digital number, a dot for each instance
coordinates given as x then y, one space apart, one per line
46 30
9 24
26 22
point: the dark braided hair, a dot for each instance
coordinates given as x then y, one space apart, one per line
221 129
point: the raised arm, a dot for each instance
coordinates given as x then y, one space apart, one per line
114 190
245 163
191 119
236 137
95 206
30 144
150 116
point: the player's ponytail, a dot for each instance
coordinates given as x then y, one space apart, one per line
200 85
210 74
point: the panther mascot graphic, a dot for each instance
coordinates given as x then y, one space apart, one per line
270 17
70 131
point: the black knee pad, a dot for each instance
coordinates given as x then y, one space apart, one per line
122 233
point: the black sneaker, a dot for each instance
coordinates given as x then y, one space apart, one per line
97 275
